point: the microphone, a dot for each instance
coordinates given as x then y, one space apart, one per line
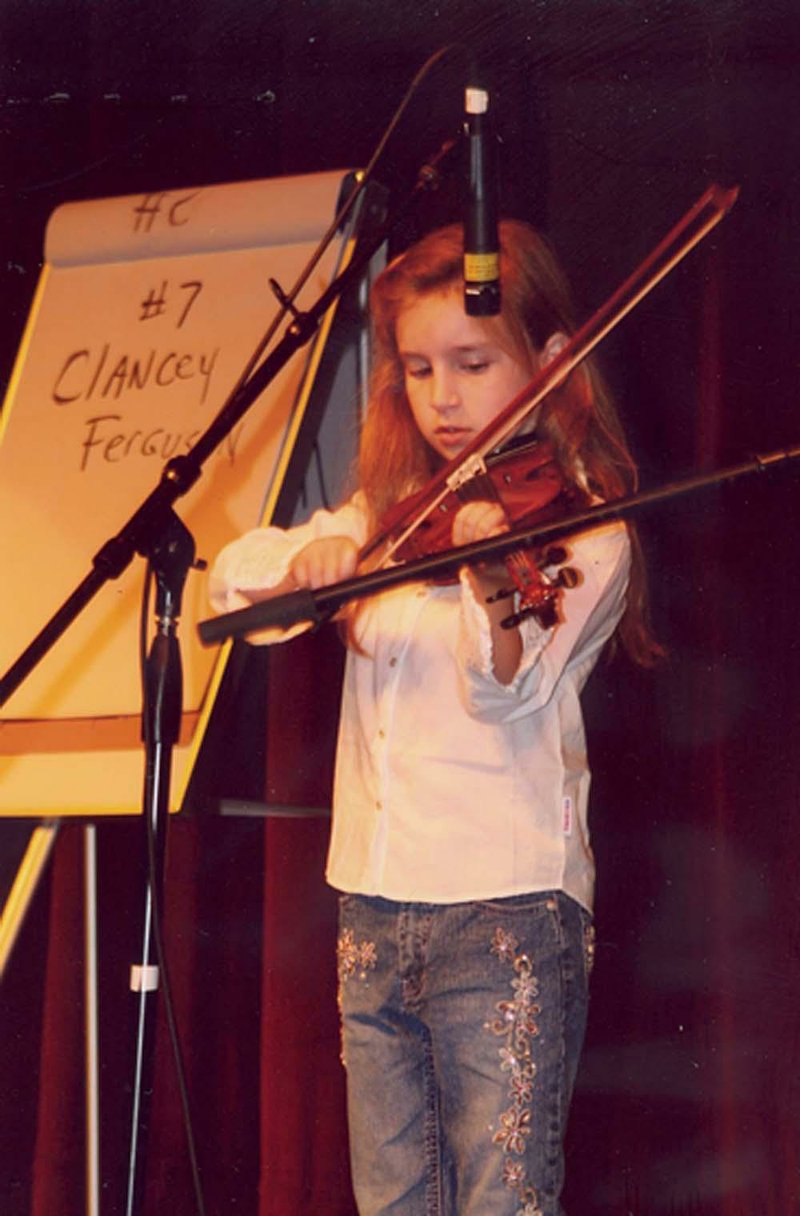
481 244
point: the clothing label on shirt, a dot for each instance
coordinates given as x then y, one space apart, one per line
566 816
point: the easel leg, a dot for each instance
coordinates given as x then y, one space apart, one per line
25 883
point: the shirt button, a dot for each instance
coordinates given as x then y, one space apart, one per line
393 662
378 806
381 734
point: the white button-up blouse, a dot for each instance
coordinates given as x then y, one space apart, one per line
450 786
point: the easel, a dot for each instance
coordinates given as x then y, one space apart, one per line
287 477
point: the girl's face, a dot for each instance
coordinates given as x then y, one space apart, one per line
457 376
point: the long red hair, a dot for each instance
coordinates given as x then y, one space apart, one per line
579 418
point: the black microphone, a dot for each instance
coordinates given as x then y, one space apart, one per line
481 244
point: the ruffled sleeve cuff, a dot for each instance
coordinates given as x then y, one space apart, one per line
256 561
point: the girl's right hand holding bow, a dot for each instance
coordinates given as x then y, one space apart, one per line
320 563
324 561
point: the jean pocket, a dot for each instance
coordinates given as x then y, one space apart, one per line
534 903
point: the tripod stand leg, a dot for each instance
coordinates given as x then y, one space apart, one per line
91 1027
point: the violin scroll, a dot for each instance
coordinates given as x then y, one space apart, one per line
537 589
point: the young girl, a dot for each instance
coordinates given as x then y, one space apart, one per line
460 840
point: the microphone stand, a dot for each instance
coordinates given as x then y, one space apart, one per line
316 607
170 559
155 532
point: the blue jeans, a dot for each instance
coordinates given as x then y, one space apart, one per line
461 1031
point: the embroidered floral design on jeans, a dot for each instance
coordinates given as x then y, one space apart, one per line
517 1025
354 958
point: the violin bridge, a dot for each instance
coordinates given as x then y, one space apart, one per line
473 466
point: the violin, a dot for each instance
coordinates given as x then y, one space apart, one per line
526 480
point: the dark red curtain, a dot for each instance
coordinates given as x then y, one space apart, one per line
689 1065
304 1155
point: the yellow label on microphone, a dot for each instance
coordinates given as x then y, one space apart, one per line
481 267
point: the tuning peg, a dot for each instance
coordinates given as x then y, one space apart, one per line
567 577
555 555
